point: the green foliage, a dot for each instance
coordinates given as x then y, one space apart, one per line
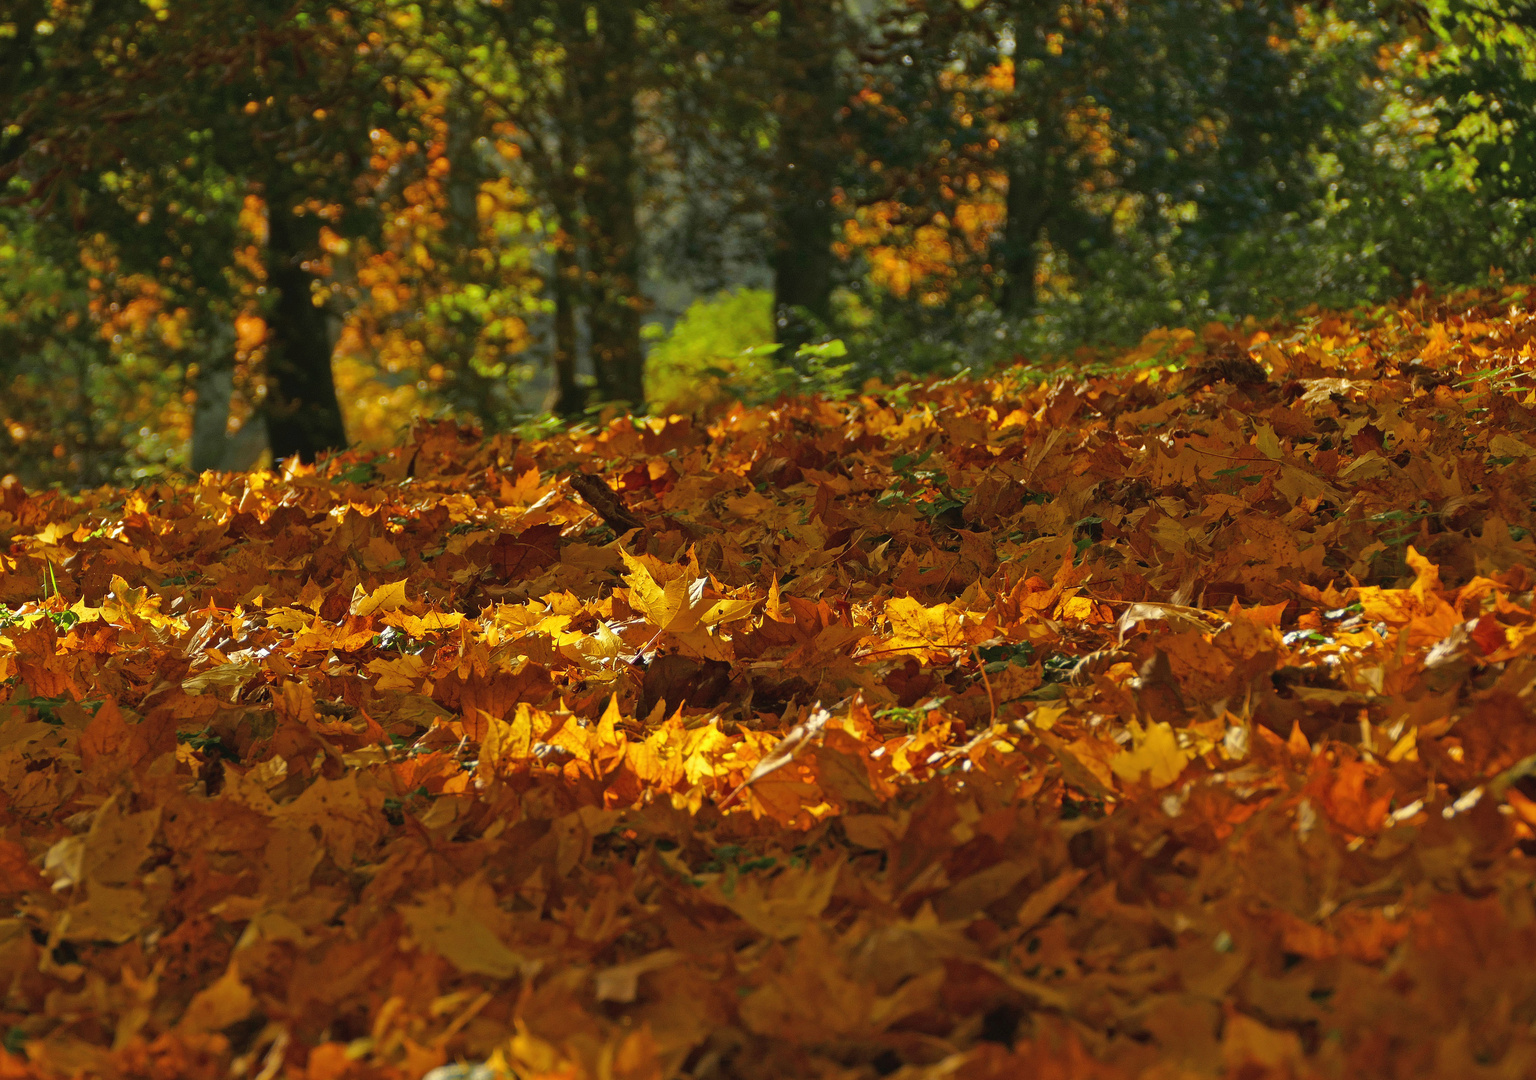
78 407
1484 79
716 349
1409 173
722 350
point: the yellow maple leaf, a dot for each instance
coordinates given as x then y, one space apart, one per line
401 673
288 620
672 606
419 626
1426 580
459 924
111 852
510 742
389 597
781 906
528 489
679 605
231 677
931 631
222 1003
344 813
1157 759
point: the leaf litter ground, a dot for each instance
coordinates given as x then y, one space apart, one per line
1170 722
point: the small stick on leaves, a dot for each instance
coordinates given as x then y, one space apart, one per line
602 498
987 681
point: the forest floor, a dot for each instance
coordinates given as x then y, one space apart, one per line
1170 722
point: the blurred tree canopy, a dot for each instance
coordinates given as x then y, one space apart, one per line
288 226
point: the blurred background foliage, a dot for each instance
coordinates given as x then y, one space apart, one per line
251 229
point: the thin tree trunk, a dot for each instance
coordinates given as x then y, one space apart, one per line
572 396
214 387
87 455
210 416
566 285
484 395
302 413
803 262
1027 208
612 233
244 448
465 171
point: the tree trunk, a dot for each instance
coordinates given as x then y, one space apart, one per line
471 388
566 284
210 418
215 384
244 448
1027 209
302 413
608 116
803 188
212 445
572 396
465 171
301 409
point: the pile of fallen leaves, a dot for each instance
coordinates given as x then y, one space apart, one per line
1175 722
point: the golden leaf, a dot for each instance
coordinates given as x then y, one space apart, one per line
456 923
1156 760
223 1002
388 597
